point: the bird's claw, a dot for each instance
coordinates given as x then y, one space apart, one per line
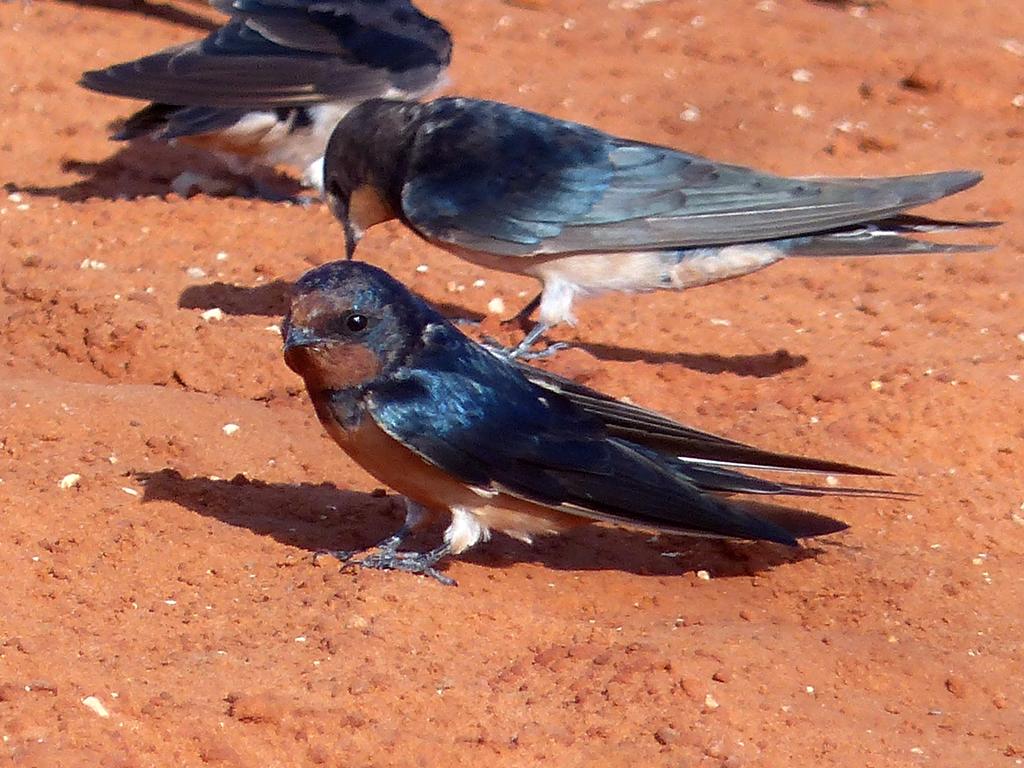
409 562
341 555
522 351
519 353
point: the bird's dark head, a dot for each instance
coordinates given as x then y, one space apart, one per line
351 323
364 164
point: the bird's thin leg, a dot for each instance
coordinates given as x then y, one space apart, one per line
414 518
411 562
521 317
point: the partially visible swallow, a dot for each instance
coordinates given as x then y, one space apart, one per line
585 212
269 86
498 445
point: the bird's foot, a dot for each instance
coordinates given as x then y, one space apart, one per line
421 563
387 546
273 191
528 354
524 350
299 200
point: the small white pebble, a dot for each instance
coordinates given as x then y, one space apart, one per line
170 602
230 429
96 706
92 264
875 385
129 491
1020 337
690 114
802 75
703 575
1011 45
767 6
195 272
15 197
221 256
1018 101
215 313
917 750
479 283
711 702
300 639
496 306
71 480
697 22
22 207
273 328
831 480
422 269
719 321
803 112
809 689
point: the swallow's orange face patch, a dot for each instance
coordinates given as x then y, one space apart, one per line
333 365
334 362
366 207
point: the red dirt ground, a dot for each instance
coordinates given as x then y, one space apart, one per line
175 582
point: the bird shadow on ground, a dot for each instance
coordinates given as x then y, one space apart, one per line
760 365
163 11
323 517
146 168
269 300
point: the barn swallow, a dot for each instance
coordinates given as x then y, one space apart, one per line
499 445
586 212
269 86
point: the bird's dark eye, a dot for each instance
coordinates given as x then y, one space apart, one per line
356 322
351 323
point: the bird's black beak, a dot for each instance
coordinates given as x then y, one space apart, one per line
351 238
299 337
339 207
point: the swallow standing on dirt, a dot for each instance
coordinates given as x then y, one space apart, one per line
269 86
499 445
585 212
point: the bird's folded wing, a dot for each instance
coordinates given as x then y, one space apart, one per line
285 54
493 178
478 420
662 433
